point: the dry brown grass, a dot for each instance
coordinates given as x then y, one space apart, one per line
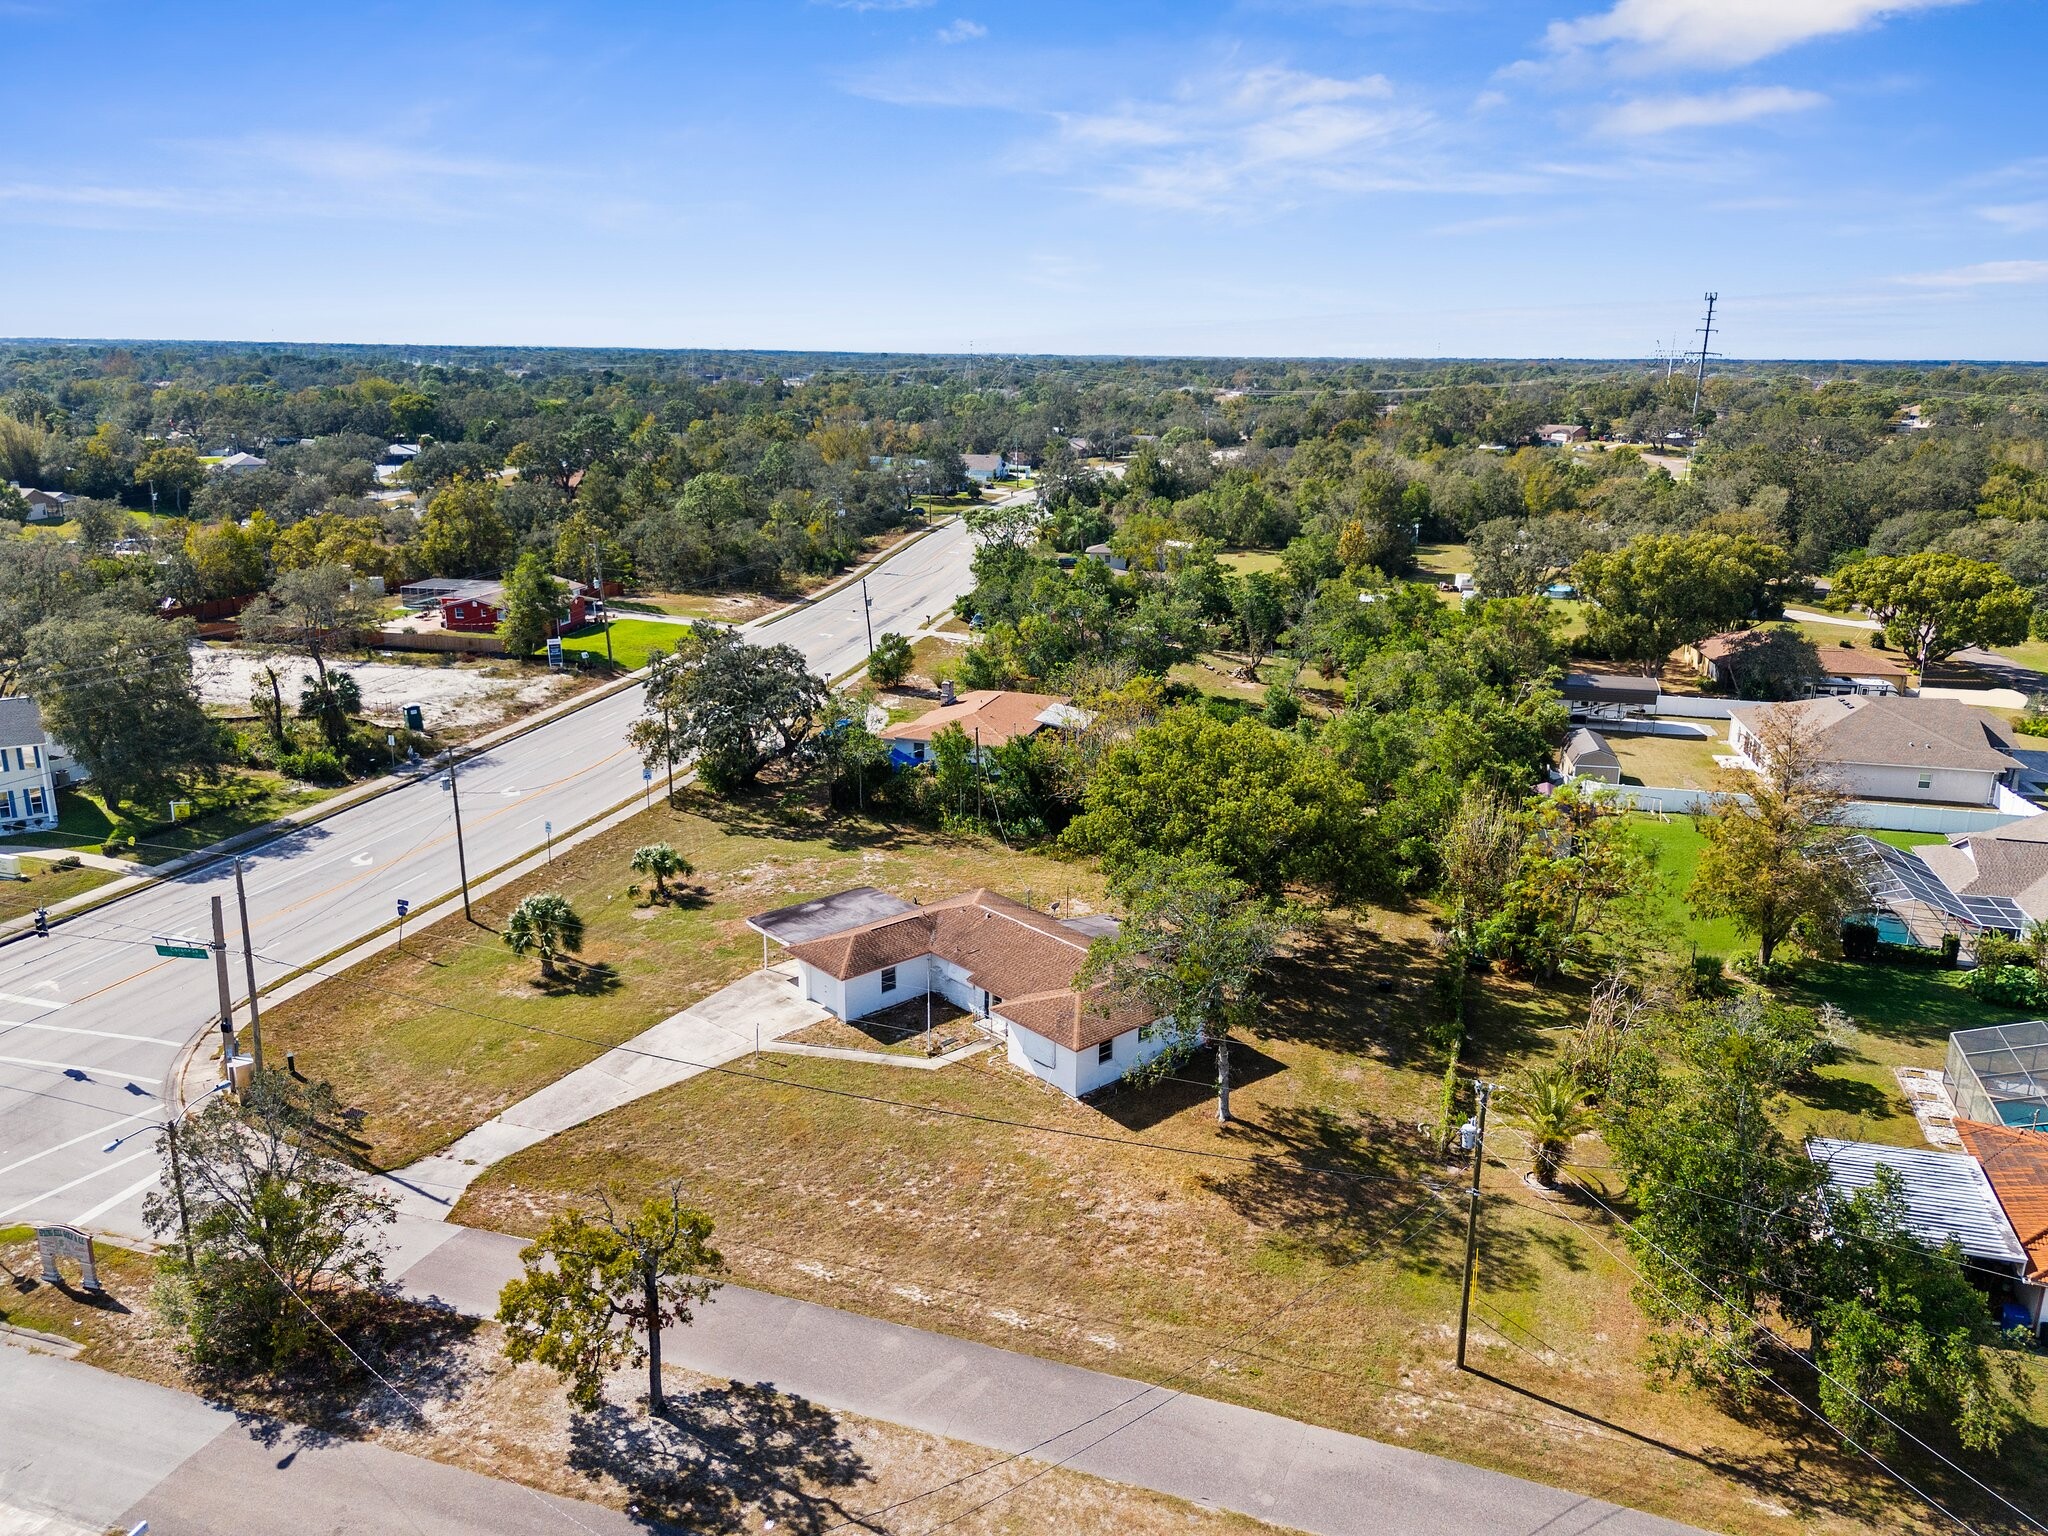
1296 1262
434 1038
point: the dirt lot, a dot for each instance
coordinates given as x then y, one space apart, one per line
453 694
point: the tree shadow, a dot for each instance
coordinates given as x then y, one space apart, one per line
401 1357
1848 1096
1139 1103
577 978
1343 989
726 1459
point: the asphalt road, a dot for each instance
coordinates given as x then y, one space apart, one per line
88 1452
91 1019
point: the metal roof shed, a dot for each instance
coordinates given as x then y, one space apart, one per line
1999 1074
1946 1193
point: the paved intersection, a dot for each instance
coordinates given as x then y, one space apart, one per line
92 1019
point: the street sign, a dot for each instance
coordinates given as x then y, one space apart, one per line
172 947
54 1243
404 906
646 775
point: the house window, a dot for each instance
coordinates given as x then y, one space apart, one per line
1106 1051
35 802
888 978
6 802
1926 781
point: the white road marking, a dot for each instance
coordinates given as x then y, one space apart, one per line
107 1205
363 860
34 1002
53 1066
49 1194
154 1106
103 1034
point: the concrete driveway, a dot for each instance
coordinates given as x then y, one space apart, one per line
760 1007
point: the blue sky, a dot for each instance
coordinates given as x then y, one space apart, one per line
1365 177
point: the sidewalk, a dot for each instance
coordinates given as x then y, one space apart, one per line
762 1006
1213 1453
88 1452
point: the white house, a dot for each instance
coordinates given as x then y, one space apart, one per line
1884 747
1011 967
241 463
45 506
984 467
28 786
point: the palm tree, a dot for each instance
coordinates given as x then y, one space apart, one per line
1551 1106
547 926
661 861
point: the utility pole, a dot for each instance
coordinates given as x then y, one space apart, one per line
1472 1135
249 966
867 612
1699 378
597 556
227 1006
461 858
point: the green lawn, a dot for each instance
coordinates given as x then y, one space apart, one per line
1246 561
631 640
45 886
1443 561
246 798
1676 762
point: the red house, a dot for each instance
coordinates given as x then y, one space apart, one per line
478 607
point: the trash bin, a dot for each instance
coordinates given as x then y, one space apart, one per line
415 718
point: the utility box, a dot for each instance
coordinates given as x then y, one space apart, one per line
415 718
241 1069
10 867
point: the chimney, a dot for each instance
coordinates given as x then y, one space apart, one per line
946 692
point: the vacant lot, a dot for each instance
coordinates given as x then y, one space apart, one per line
433 1038
454 694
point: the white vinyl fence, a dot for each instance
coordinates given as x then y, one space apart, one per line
1878 815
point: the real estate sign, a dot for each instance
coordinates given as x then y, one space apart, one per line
55 1243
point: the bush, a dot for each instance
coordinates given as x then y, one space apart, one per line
2009 986
1282 707
1705 977
1951 948
1859 941
314 765
1995 950
69 861
1918 956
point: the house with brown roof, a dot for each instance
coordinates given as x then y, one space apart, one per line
1884 747
2015 1163
1843 668
989 717
1012 967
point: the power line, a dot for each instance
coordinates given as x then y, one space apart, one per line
1788 1347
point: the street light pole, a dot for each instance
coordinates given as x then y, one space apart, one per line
169 1128
867 613
1472 1135
249 966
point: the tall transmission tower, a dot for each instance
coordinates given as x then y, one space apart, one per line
1699 378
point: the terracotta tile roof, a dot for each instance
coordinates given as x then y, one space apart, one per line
2016 1163
1025 960
994 714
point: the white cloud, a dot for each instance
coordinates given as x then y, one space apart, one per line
1235 141
1664 114
2018 216
1982 274
961 31
1719 32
